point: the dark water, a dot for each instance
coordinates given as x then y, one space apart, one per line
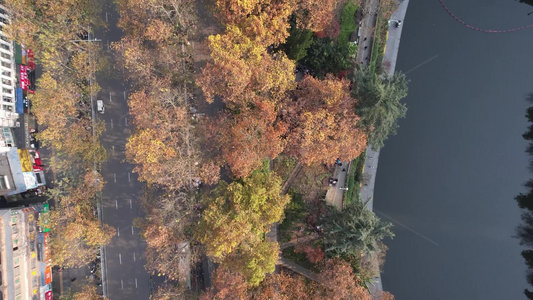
451 173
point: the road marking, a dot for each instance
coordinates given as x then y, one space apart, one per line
111 123
130 205
118 231
129 177
110 100
135 282
116 204
106 19
121 284
133 256
124 91
107 44
115 177
132 233
113 148
126 121
120 258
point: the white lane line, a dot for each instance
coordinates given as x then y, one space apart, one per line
120 258
118 231
135 282
113 148
107 44
111 123
132 233
115 177
121 284
116 204
129 177
130 205
110 100
124 91
126 121
133 256
106 18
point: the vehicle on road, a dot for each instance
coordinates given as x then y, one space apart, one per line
100 106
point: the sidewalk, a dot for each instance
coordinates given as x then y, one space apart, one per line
363 58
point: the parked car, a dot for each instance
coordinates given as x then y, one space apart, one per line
100 106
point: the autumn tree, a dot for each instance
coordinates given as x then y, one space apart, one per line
236 219
380 104
338 281
242 70
226 285
75 231
49 26
169 216
248 137
283 287
88 292
171 291
315 15
164 146
354 231
264 21
323 123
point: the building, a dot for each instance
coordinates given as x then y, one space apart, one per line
20 171
8 76
25 264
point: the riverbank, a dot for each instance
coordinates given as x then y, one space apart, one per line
335 194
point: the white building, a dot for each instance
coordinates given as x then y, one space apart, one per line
8 76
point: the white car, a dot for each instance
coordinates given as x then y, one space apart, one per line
100 106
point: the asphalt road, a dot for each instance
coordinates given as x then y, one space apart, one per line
125 275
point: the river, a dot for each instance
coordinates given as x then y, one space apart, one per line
448 179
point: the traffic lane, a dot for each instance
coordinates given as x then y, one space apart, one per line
124 254
125 269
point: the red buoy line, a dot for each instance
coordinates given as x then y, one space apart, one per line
480 29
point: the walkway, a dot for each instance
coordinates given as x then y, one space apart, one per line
298 269
363 58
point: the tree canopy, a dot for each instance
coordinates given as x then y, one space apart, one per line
236 219
323 123
380 104
354 231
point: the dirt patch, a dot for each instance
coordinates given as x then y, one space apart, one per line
312 182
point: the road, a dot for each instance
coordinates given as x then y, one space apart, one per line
125 275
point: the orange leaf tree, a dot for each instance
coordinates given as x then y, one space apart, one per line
242 69
248 137
315 15
323 123
265 21
338 281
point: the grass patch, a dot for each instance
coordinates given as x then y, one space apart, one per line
354 179
376 47
347 21
348 197
294 212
